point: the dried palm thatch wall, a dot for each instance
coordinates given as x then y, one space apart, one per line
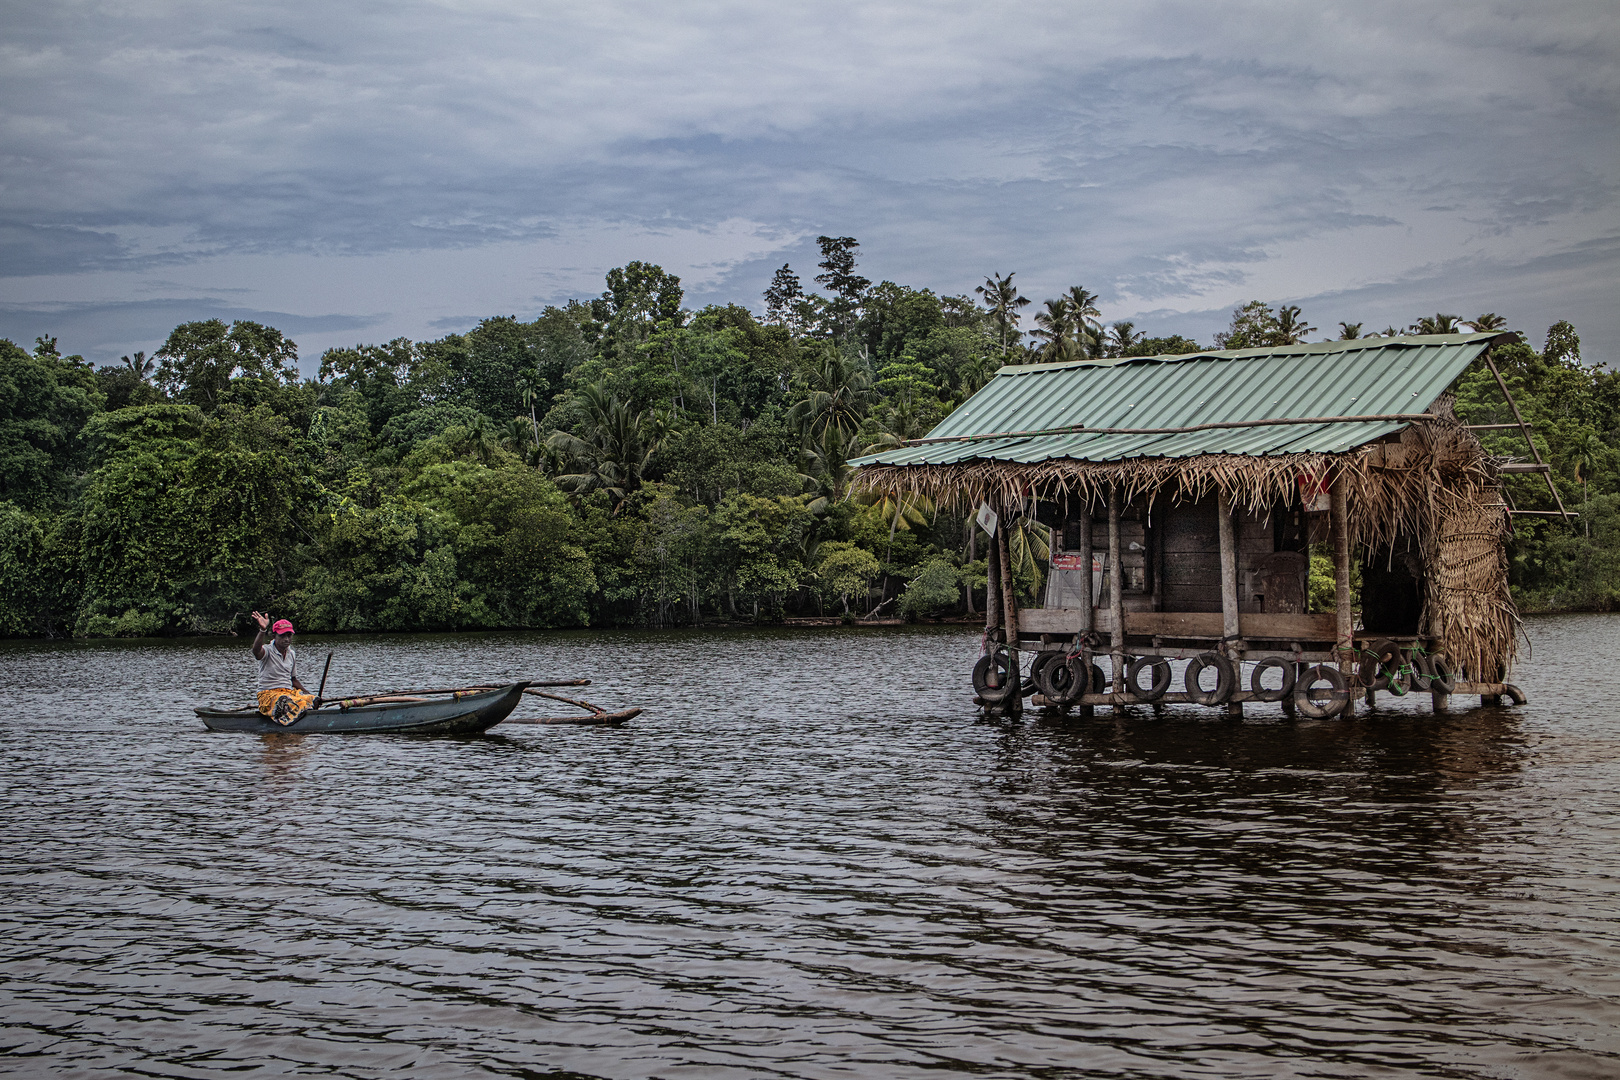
1432 485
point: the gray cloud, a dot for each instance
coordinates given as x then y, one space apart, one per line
1170 155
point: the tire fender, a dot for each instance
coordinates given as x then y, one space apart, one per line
1225 682
1161 677
1265 663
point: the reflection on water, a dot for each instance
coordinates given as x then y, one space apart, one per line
808 858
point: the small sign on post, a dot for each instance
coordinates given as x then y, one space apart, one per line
986 518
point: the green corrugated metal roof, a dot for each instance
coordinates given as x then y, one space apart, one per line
1367 377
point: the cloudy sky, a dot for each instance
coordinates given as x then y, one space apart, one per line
353 172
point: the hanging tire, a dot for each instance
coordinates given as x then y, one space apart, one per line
1422 675
1225 680
1161 677
1041 670
1441 675
1266 663
1374 671
998 660
1067 681
1100 683
1337 698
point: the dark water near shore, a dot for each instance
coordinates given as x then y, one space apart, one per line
808 858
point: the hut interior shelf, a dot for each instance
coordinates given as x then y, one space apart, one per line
1182 496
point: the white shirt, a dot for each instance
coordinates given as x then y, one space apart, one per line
277 672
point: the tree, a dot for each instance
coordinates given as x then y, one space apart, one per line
1254 326
45 401
781 298
200 359
1122 338
1291 326
612 449
1563 344
1055 329
1439 324
1349 331
845 569
1487 322
1001 297
838 275
838 395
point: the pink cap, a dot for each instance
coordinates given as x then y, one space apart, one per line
282 627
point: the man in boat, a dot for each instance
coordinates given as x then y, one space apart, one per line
281 696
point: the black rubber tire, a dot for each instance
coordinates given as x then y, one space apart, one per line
1422 676
1100 683
1441 676
1161 677
1334 705
1374 671
1037 669
1068 681
1225 682
994 695
1262 693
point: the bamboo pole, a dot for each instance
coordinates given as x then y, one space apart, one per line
1116 591
1344 618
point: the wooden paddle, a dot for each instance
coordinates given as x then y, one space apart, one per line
320 695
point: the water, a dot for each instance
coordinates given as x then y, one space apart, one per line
808 858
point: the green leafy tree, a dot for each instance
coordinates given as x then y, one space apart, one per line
45 401
935 587
1437 324
839 277
846 570
1003 301
200 359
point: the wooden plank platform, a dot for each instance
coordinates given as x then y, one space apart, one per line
1186 625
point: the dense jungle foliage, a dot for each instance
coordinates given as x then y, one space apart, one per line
618 460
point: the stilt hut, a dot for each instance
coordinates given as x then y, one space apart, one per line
1182 496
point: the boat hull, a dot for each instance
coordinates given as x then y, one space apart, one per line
468 715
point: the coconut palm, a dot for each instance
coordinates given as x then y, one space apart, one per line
1489 321
838 396
1002 298
1123 337
530 388
139 366
1439 324
1291 326
1586 460
612 450
1054 328
1349 331
1083 306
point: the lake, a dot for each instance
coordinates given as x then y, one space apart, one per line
808 858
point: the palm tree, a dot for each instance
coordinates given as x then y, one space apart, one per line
1586 459
838 396
140 366
1488 321
1054 328
1349 331
1083 306
824 467
612 451
1440 324
530 387
1123 337
1291 326
1001 297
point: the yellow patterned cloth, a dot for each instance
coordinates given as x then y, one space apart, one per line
284 706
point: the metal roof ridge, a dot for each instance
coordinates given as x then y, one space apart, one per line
1401 341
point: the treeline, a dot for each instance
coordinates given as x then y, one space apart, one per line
622 460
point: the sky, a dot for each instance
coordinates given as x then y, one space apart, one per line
353 172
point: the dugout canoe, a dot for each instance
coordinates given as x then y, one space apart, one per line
464 714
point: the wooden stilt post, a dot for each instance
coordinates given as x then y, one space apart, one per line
1231 646
1009 616
1087 600
1344 618
992 587
1116 591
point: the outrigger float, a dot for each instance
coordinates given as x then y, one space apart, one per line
1180 496
465 710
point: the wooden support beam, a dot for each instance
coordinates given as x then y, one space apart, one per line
1524 467
1086 599
1344 618
1491 427
1009 616
1231 646
1525 428
992 584
1116 591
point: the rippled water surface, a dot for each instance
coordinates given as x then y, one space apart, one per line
807 858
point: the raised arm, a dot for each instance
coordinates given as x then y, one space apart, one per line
258 639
